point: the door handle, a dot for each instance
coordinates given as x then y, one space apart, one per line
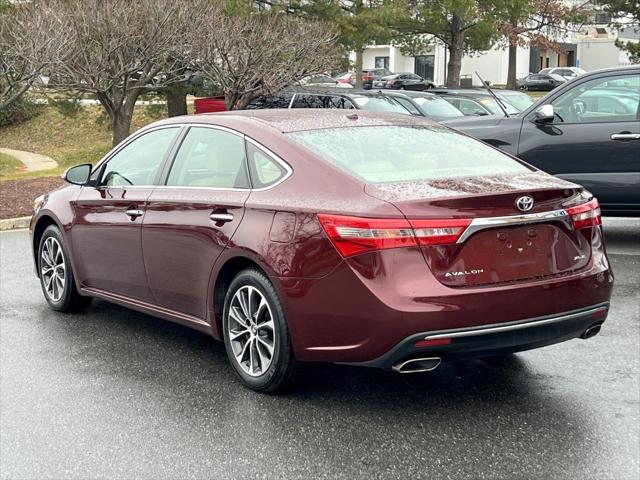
625 136
134 213
221 217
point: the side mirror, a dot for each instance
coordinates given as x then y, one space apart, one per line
544 114
78 174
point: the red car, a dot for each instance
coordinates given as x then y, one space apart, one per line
366 238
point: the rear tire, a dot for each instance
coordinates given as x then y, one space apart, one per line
56 275
255 333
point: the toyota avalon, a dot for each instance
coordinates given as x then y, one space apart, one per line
367 238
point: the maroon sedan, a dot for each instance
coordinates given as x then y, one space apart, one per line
372 239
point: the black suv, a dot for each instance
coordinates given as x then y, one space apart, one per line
586 131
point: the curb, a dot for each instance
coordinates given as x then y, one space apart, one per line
14 223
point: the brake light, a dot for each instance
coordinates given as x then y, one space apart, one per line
438 232
585 215
354 235
391 82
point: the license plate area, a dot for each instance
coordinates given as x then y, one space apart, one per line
510 254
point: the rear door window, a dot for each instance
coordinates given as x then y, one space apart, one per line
209 157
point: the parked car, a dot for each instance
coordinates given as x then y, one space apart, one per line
210 104
587 131
404 81
369 75
518 100
329 98
425 245
566 72
323 81
541 82
472 101
425 104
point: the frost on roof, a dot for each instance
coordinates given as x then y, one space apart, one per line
294 120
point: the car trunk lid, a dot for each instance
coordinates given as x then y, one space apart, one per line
501 244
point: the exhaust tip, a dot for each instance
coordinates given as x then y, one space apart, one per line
417 365
592 331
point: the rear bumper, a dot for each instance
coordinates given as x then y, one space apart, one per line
487 340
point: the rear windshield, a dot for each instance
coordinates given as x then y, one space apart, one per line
379 154
437 107
492 105
378 104
521 101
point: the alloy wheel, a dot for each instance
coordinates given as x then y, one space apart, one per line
53 269
251 330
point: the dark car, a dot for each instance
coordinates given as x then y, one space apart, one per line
366 238
328 98
425 104
587 131
541 81
474 102
404 81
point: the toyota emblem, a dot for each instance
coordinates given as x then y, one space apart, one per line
525 203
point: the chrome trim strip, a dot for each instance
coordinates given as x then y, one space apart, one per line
221 217
478 224
459 333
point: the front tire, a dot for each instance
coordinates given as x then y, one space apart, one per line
56 275
255 332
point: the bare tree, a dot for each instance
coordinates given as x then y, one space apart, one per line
256 54
121 49
31 42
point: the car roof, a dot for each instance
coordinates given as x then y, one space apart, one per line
287 120
462 91
311 90
408 93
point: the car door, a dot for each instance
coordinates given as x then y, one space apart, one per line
108 214
594 140
192 217
415 82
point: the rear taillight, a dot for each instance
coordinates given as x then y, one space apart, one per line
353 235
585 215
391 82
439 232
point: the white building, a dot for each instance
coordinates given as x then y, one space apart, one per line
590 49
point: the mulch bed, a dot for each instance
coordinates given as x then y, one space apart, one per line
17 196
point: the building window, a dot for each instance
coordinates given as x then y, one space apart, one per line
423 66
382 62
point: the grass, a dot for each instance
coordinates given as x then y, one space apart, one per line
69 140
8 164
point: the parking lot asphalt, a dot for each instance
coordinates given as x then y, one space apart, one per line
116 394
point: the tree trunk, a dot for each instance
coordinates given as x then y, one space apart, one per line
176 96
511 70
120 126
359 54
456 49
